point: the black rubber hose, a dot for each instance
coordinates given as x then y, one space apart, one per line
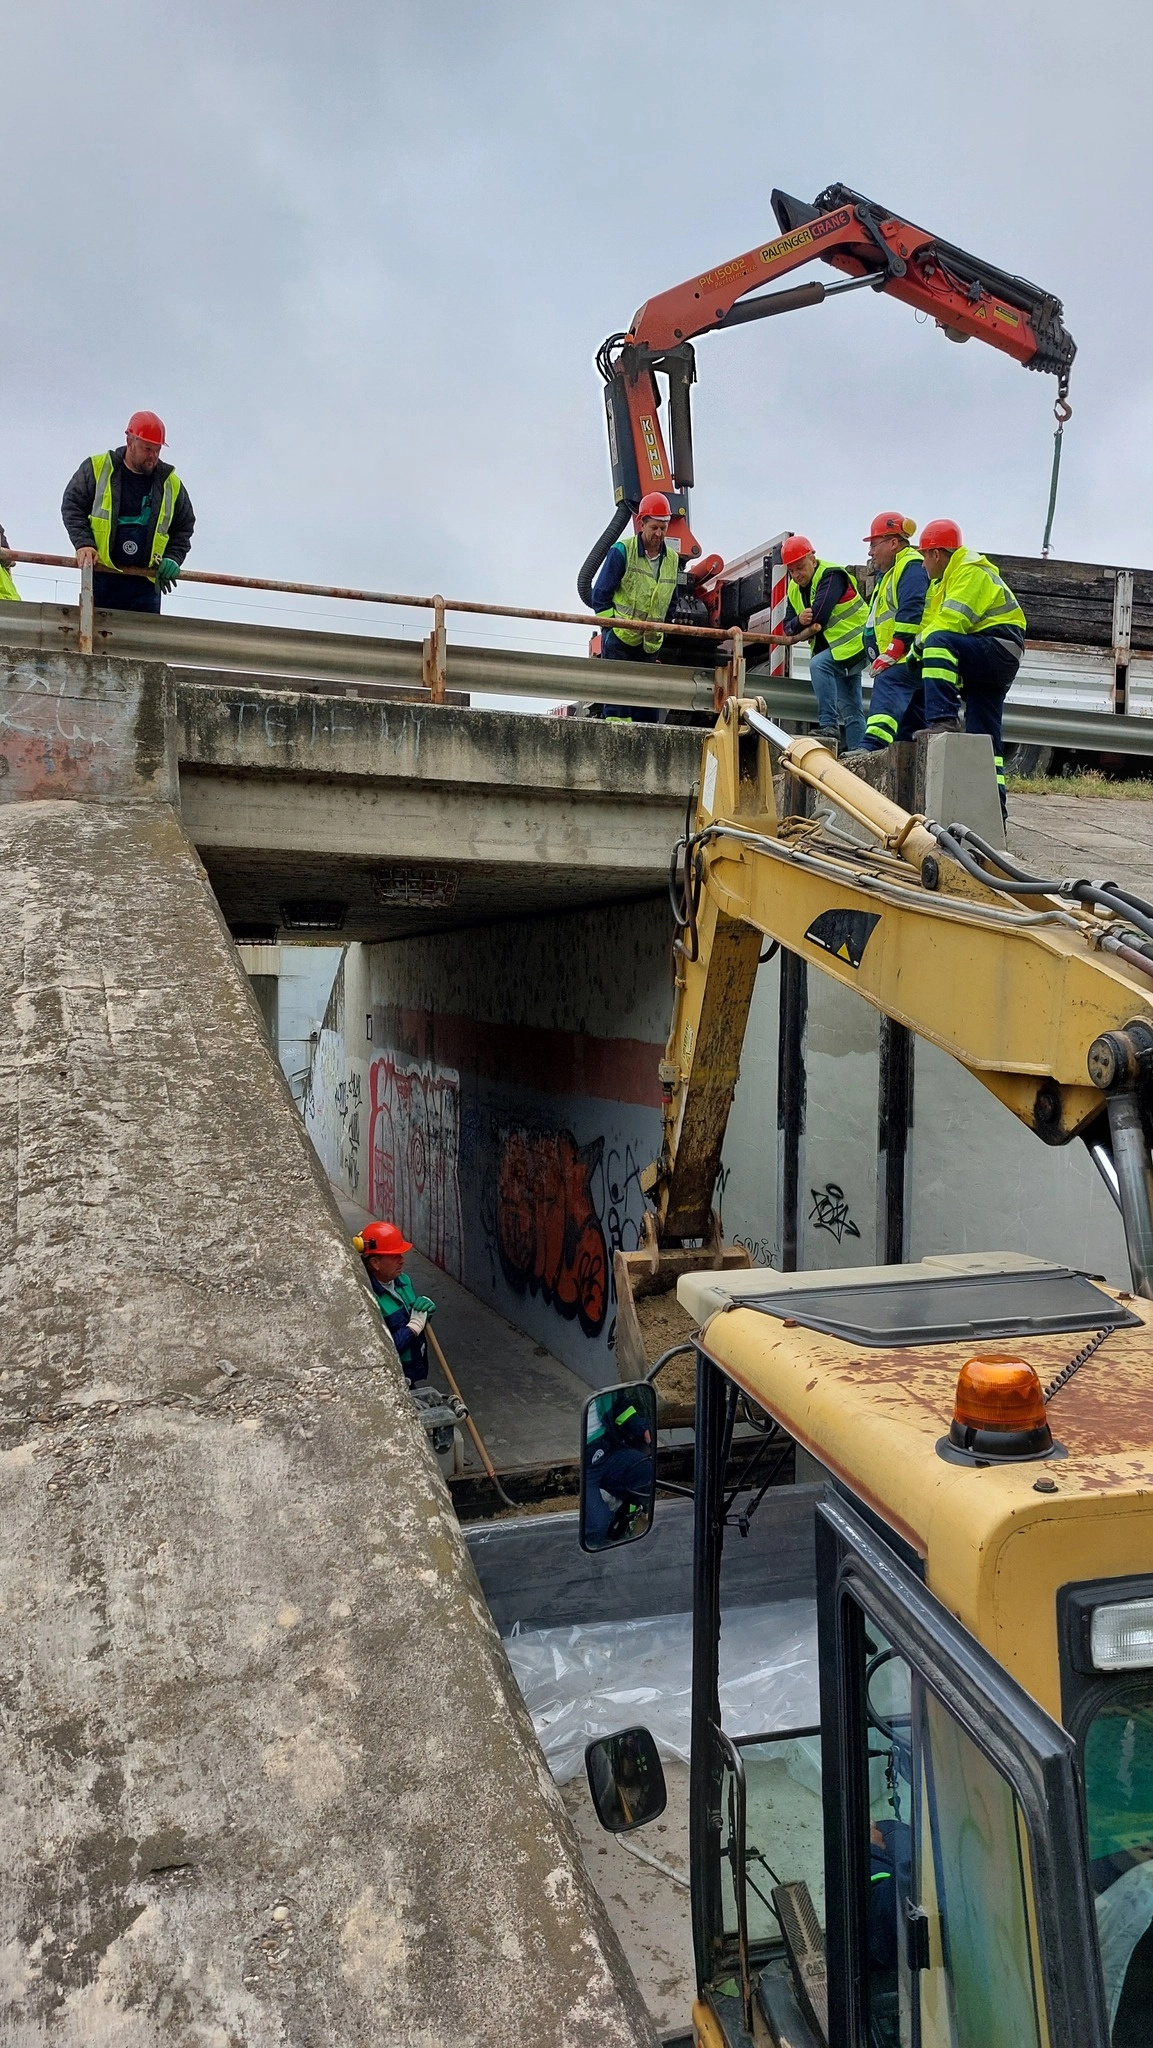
1037 885
596 555
1008 866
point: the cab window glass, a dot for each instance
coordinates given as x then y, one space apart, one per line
980 1990
1118 1774
784 1830
946 1842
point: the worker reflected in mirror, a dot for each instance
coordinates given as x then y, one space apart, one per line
383 1248
125 509
8 589
637 580
830 613
618 1466
626 1780
896 609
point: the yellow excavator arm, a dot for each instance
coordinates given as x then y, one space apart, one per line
1043 990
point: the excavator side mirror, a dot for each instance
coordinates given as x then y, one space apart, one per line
626 1779
618 1466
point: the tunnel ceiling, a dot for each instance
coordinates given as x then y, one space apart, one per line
395 899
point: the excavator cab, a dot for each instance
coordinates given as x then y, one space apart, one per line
959 1852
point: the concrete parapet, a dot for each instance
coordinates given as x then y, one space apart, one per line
267 1778
88 727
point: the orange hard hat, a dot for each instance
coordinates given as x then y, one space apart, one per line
147 426
891 525
654 505
381 1240
796 548
941 533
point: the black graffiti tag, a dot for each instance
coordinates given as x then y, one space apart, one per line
830 1211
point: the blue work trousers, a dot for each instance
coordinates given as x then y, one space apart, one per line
837 689
896 706
123 593
971 672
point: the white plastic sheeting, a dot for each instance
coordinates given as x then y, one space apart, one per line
593 1678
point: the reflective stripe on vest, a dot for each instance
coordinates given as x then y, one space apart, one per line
7 587
100 517
971 597
645 591
883 609
845 631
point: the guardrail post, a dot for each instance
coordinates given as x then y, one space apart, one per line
435 652
1122 638
85 636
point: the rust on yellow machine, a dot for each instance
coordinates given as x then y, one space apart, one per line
1015 986
997 1542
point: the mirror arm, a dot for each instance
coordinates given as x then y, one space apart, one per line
665 1357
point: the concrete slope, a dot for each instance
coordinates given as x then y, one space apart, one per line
265 1775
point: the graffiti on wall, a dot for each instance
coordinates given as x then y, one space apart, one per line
562 1209
830 1211
414 1154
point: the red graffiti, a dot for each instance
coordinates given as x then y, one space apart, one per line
549 1235
413 1151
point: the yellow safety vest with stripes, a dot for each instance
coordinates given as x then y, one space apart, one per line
970 597
100 516
845 631
645 591
883 609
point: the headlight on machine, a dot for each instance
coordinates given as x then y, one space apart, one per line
1121 1636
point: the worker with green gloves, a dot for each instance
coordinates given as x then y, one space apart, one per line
125 509
830 613
8 589
971 640
382 1247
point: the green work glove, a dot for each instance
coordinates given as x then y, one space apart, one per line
423 1305
167 572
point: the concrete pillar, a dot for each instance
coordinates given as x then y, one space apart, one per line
92 727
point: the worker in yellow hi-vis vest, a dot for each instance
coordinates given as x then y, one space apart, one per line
126 509
7 587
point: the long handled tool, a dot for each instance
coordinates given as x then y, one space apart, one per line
470 1425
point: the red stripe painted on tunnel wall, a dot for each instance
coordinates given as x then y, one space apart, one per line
551 1062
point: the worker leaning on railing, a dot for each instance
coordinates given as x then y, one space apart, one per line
637 580
7 587
830 613
126 509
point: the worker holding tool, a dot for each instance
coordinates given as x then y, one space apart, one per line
831 615
896 707
7 587
382 1247
126 509
637 580
971 640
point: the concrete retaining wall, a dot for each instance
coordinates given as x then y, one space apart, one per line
267 1778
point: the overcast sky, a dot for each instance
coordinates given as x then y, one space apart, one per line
360 259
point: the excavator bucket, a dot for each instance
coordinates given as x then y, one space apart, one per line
650 1319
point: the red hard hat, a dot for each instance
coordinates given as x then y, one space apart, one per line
941 533
654 505
894 525
796 548
147 426
382 1240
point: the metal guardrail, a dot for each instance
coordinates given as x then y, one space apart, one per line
1070 687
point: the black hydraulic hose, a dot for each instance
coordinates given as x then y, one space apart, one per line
998 858
596 555
1090 893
